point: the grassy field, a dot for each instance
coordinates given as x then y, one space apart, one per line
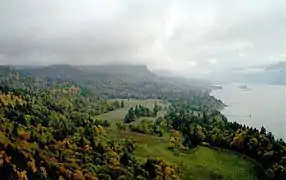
199 163
118 115
147 102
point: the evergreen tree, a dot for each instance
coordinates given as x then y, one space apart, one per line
122 104
156 109
130 116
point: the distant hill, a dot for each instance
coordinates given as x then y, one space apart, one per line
272 74
62 72
269 74
124 70
118 80
85 72
168 75
281 66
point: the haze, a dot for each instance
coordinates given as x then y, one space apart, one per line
187 37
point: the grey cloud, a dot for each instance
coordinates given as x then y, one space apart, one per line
186 36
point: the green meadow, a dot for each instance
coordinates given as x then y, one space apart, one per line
197 163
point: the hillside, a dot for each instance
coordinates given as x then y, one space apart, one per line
53 129
138 71
135 81
51 133
60 72
89 71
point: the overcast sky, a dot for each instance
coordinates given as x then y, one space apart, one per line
187 36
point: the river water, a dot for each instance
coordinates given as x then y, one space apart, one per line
256 106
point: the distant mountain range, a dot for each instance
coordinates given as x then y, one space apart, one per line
269 74
84 74
114 76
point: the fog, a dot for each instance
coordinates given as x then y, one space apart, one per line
187 37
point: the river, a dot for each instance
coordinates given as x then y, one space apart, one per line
256 106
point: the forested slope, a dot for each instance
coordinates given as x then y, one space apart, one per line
121 81
49 130
50 133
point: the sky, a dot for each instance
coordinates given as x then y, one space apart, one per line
184 36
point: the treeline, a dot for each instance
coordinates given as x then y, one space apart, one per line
209 126
141 111
134 83
157 127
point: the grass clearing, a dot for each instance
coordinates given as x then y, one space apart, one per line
199 163
114 116
118 115
146 102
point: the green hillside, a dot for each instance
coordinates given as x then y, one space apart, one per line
199 163
53 128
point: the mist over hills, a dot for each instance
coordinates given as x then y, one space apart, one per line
267 74
85 74
67 71
121 81
88 74
135 70
164 73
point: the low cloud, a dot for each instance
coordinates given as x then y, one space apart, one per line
183 36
